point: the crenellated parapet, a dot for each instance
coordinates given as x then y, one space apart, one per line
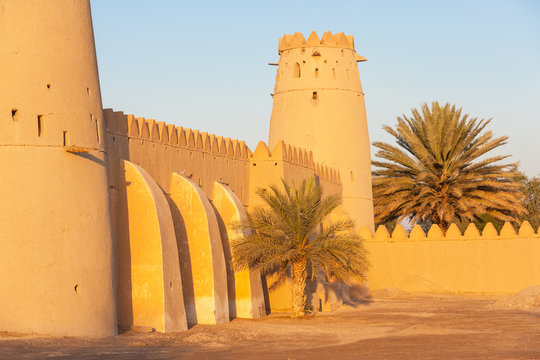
118 123
453 233
295 156
296 40
474 261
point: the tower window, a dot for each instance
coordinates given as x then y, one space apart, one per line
316 73
97 132
65 138
14 114
297 70
39 125
334 74
314 95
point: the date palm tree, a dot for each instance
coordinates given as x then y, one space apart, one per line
439 171
290 234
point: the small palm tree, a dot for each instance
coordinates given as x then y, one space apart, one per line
289 234
439 173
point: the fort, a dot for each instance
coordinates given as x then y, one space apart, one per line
112 221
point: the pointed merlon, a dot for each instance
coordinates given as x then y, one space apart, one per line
471 232
526 229
489 231
435 233
328 39
261 151
382 233
365 233
279 152
298 40
313 39
508 230
453 232
399 233
417 233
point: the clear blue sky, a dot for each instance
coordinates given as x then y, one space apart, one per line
203 64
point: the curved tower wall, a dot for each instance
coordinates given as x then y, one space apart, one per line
319 105
56 273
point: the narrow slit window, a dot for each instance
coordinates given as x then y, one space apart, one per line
297 70
315 95
39 125
316 73
334 74
352 176
65 138
14 114
97 132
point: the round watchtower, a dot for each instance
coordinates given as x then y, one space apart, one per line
319 105
56 266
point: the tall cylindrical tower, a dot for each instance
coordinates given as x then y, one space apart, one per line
319 105
56 264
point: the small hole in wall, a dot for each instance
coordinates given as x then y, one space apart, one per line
254 164
14 114
316 73
314 95
359 98
65 138
76 288
334 74
200 182
170 284
275 164
39 125
113 138
352 176
48 86
342 52
88 91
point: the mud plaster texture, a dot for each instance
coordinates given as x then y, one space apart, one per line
393 325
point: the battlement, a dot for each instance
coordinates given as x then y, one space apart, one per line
297 40
297 156
116 122
453 233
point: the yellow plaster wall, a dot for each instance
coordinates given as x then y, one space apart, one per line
148 270
244 287
322 109
200 249
56 266
487 263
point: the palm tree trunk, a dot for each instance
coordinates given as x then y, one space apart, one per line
298 287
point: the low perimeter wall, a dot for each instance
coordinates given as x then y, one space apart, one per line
487 262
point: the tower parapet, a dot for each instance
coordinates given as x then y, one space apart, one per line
319 105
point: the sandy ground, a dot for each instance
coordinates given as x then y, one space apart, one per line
395 327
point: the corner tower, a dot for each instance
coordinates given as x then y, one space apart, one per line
319 105
56 265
